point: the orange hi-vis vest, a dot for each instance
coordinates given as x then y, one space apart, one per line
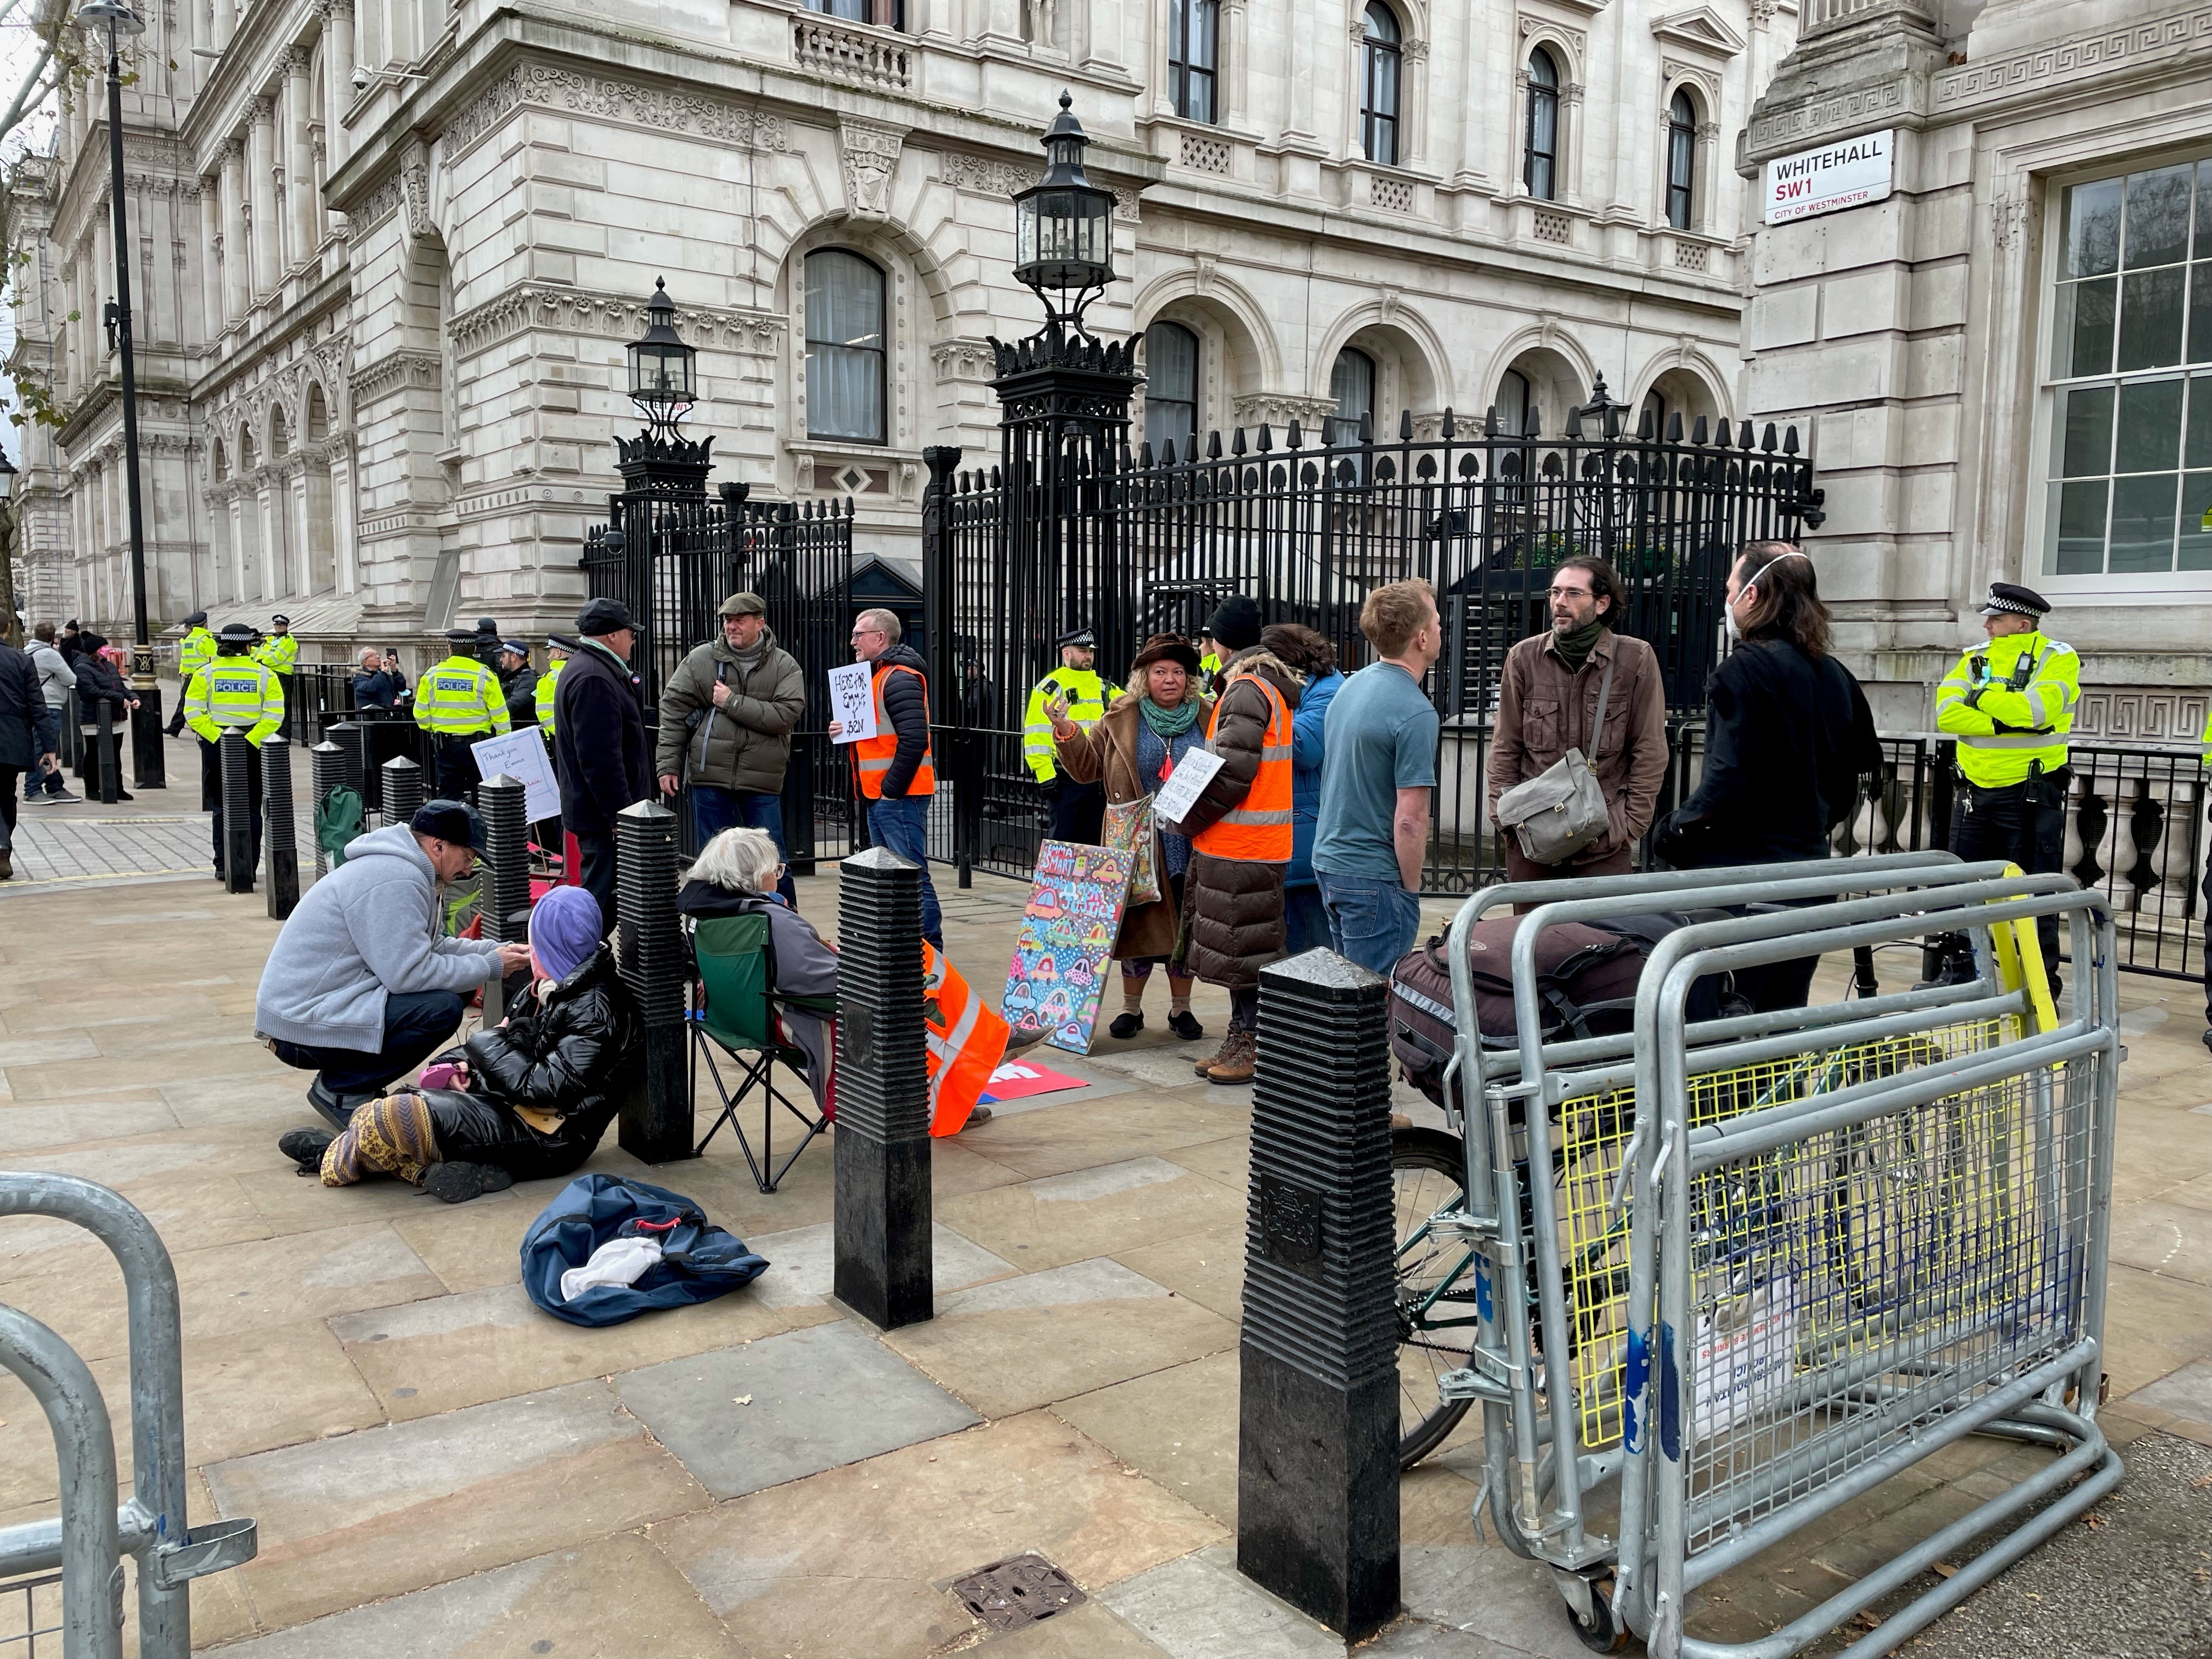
1259 830
873 755
966 1042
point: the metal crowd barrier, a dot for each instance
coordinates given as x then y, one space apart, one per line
1566 1360
91 1535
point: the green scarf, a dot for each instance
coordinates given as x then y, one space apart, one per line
1167 723
1575 649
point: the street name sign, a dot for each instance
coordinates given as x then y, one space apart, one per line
1847 174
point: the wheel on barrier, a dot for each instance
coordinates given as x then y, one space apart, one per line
1599 1633
1435 1287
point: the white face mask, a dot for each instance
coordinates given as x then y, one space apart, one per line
1734 628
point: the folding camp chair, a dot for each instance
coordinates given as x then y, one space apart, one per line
736 1012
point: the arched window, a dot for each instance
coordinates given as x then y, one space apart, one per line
1194 56
1351 383
844 347
1681 160
1540 154
1379 60
1513 404
1171 387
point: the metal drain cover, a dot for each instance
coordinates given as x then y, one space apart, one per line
1017 1592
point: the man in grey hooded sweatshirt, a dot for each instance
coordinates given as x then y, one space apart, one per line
363 986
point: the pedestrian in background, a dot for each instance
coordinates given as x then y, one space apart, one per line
518 683
56 685
1305 923
372 687
1078 810
897 772
21 701
1547 703
726 717
1239 834
601 752
1133 750
1377 771
462 702
99 680
1788 736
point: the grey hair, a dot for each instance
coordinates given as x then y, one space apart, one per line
742 860
885 620
370 654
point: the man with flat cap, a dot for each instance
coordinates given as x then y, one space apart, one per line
601 749
460 702
2010 704
1078 810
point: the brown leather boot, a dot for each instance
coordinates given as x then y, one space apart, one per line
1240 1058
1205 1067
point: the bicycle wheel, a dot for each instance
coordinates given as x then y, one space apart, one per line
1435 1287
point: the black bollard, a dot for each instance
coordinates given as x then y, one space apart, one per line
110 785
326 771
505 901
882 1231
656 1119
403 789
1317 1435
72 734
236 756
280 840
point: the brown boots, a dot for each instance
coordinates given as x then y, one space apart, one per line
1238 1059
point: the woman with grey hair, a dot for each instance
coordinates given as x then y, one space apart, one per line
735 875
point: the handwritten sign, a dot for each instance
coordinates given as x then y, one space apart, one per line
1068 930
852 702
521 755
1185 784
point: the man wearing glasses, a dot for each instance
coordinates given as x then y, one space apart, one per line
896 772
363 986
1549 702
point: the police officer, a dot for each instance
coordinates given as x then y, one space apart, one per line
517 682
1209 661
1078 810
556 650
194 651
232 688
279 652
459 703
2010 704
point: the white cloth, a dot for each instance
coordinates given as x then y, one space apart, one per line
618 1261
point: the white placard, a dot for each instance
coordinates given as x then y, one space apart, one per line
852 702
521 755
1847 174
1185 784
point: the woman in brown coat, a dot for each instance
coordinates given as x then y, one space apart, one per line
1134 747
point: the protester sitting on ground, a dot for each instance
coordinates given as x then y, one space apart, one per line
362 986
1305 921
525 1100
735 874
1144 733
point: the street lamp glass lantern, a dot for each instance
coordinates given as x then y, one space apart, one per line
661 380
7 478
111 17
1064 224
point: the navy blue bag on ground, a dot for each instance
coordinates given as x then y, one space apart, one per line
699 1260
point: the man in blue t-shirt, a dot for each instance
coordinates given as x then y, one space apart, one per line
1378 765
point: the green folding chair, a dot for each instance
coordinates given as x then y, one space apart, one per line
735 1011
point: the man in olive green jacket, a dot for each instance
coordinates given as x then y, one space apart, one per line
727 716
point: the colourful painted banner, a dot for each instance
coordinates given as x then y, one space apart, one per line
1074 914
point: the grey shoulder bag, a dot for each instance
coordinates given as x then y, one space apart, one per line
1561 811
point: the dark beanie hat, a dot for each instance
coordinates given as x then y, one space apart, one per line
454 821
1236 623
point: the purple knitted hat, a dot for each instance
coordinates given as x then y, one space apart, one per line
564 929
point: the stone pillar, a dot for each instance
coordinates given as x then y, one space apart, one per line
338 79
882 1210
305 216
226 22
656 1119
211 246
270 515
345 550
261 196
1317 1441
279 840
237 242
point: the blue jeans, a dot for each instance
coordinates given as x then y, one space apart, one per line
714 808
416 1025
1373 922
903 827
49 724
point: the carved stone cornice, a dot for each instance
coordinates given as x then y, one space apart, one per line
966 359
2124 49
570 311
980 175
394 370
635 103
1279 408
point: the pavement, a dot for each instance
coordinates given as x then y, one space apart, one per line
438 1468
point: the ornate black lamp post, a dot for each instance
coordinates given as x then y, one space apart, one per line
664 385
1064 228
116 21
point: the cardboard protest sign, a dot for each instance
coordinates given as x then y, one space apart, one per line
852 700
1068 930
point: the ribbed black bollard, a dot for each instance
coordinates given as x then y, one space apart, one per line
326 771
403 789
350 738
236 756
656 1119
280 842
882 1231
505 902
110 783
1317 1436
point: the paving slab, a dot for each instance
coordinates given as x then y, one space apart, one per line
2158 1325
448 1351
1179 1426
1201 1607
1055 1139
847 1563
2185 1393
1089 1631
787 1407
802 1264
1228 1160
1207 1266
1490 1591
1019 1343
364 1516
1056 1219
190 1213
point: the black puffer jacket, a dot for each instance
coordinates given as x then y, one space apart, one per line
906 700
561 1053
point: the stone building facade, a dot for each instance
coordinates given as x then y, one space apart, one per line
2003 361
394 250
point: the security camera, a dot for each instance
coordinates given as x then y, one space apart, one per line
360 78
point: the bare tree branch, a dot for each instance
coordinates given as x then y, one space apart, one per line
29 94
